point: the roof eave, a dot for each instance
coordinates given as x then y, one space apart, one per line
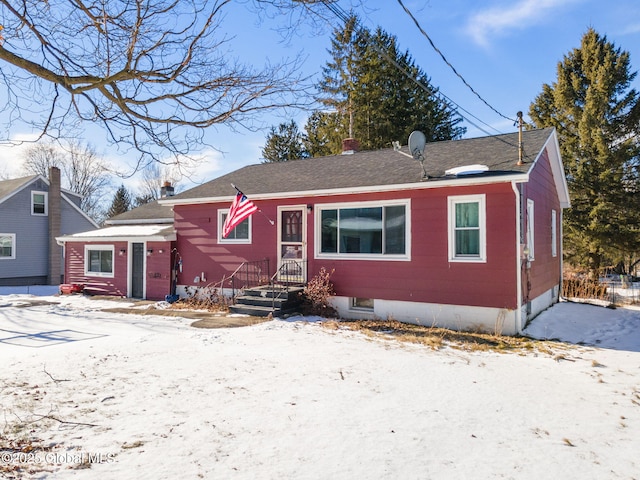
170 237
141 221
440 183
557 168
28 181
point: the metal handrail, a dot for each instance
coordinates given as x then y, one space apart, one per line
293 272
255 274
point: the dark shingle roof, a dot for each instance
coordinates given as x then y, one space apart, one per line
377 167
149 212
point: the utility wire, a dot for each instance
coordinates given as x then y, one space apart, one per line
436 93
426 35
344 17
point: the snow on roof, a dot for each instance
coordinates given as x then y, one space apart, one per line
124 232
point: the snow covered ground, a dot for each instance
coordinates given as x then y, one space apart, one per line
149 397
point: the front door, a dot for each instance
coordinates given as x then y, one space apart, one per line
137 270
292 255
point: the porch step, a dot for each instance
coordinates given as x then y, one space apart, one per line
262 301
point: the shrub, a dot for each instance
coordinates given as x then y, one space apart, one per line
316 295
583 288
203 298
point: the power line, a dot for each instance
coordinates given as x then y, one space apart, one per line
344 17
437 93
426 35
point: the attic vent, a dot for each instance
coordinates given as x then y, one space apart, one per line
467 170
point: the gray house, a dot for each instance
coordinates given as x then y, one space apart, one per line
33 211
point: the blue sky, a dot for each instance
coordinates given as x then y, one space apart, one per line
506 50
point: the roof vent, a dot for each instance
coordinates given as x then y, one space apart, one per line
467 170
350 146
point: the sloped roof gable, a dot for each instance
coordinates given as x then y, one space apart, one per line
10 187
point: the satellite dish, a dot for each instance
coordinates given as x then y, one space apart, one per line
417 141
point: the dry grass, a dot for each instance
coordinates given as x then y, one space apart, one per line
437 338
192 303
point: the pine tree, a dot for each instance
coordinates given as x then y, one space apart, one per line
592 106
323 134
121 202
284 143
376 94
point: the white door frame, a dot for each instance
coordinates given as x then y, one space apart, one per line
293 251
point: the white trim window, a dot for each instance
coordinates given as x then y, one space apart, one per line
98 261
530 229
362 304
7 246
554 233
467 228
39 203
364 230
240 234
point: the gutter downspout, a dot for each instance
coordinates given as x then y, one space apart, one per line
561 253
518 317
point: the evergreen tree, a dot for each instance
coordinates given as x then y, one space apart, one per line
284 144
121 202
323 134
592 107
376 94
143 199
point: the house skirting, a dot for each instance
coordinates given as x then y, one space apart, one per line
502 321
454 317
540 304
23 281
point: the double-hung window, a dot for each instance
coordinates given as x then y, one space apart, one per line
39 203
364 231
98 260
554 234
240 234
530 229
7 246
467 228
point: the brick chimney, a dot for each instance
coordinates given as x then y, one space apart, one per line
55 219
166 190
350 146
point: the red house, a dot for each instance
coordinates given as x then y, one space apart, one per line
470 238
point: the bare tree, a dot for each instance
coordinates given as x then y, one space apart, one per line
38 158
83 171
154 177
153 73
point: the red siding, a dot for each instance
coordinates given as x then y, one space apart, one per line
74 270
545 269
197 244
428 277
157 275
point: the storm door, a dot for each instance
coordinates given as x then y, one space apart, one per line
292 257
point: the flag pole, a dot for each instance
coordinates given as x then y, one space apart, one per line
260 210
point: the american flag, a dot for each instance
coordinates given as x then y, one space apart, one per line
241 208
